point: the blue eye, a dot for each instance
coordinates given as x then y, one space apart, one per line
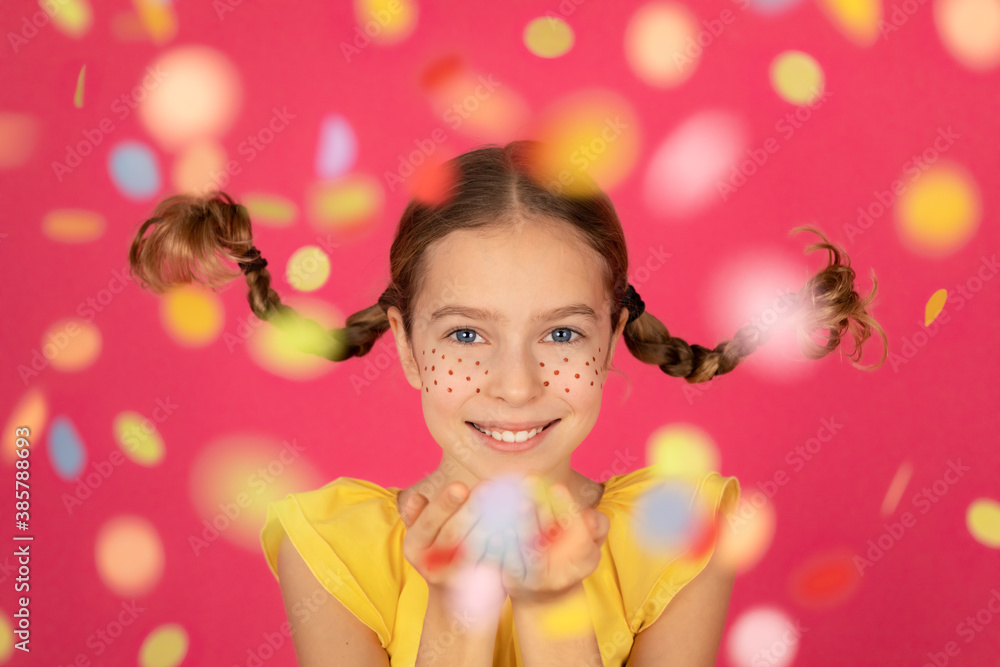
471 333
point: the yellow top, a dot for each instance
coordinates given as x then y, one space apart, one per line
350 534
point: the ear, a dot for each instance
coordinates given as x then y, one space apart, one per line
410 368
616 334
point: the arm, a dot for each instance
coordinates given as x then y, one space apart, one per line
450 639
538 649
689 630
324 631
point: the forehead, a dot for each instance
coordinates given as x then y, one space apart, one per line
533 267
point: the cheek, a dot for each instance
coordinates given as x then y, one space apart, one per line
573 372
451 374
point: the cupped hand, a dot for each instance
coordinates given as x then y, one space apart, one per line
555 545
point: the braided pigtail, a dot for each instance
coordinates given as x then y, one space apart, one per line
190 237
827 302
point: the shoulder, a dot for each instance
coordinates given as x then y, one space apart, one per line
346 534
642 505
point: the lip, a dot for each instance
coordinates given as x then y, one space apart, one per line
511 447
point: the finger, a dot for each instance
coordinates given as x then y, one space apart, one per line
547 524
415 504
432 518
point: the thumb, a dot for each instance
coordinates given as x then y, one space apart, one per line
413 507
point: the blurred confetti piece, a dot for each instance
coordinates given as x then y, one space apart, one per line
134 170
683 174
665 519
308 269
129 555
32 413
478 594
73 225
474 104
294 348
192 315
165 646
747 535
682 450
18 137
940 212
772 7
858 20
353 201
138 438
6 638
983 521
270 210
548 37
934 306
71 345
199 166
78 96
72 17
433 181
384 21
66 451
235 477
898 485
158 19
338 147
824 580
567 618
589 141
660 44
192 93
970 31
758 631
797 77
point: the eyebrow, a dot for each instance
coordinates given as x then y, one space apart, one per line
581 309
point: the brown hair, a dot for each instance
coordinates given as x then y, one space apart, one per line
493 189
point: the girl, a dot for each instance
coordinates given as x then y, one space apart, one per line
507 302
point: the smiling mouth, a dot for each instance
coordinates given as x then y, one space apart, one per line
512 435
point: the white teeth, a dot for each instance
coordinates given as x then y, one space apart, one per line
509 436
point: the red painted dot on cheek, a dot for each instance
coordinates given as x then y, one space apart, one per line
477 391
450 372
546 383
477 363
577 376
449 388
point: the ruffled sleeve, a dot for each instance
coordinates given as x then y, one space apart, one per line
349 534
648 579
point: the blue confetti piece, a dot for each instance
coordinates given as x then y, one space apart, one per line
338 148
664 517
134 170
66 451
498 502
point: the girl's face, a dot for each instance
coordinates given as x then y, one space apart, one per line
528 365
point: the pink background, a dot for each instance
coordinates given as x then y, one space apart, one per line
888 102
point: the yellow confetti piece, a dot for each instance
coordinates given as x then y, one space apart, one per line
138 438
797 77
548 37
983 521
192 315
940 212
348 202
682 450
270 210
385 21
567 618
165 646
934 306
158 19
72 18
78 97
970 31
857 19
308 269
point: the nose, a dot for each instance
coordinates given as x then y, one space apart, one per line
516 376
